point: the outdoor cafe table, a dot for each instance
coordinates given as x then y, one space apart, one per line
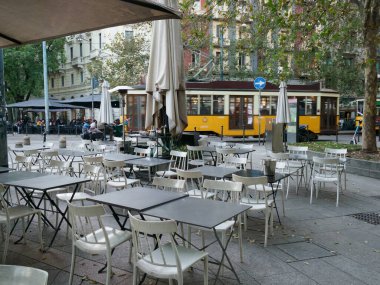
148 162
135 199
4 169
23 180
202 213
236 151
120 156
215 171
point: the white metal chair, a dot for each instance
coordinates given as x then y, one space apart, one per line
341 155
143 152
115 175
258 185
195 157
34 159
325 170
177 161
235 162
13 214
168 184
227 191
156 252
250 154
22 275
93 236
297 160
222 154
194 183
46 157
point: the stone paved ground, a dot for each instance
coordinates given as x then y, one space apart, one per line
316 244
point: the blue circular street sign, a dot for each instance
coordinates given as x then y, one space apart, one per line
259 83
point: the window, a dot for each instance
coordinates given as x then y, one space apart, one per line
71 53
195 58
192 105
52 83
217 57
80 49
205 105
128 35
62 81
218 105
241 112
241 60
307 105
90 42
72 79
100 40
268 105
81 77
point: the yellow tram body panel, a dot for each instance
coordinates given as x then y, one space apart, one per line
313 123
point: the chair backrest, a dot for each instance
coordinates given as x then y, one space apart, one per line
178 160
141 151
93 160
99 147
282 160
297 152
255 183
339 153
58 167
49 144
222 153
93 172
150 235
244 146
23 275
85 221
23 163
224 189
193 179
47 156
194 153
325 166
114 170
168 184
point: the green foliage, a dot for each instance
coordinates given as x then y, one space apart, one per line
320 146
129 61
23 68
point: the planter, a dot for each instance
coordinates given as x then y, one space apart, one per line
360 167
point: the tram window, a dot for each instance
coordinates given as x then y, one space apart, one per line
218 105
311 105
192 105
205 105
268 105
301 105
360 106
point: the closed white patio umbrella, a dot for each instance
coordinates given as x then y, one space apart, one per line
105 114
166 78
283 112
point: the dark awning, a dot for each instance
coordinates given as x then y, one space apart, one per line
25 21
86 101
40 103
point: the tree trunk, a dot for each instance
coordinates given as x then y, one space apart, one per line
371 29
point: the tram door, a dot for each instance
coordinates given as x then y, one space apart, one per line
328 114
136 112
241 112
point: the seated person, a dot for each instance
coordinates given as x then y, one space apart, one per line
85 131
95 133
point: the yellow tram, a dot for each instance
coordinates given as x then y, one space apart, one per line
234 107
360 111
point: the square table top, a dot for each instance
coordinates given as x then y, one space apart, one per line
76 153
215 171
18 175
148 161
257 173
137 198
198 212
46 181
4 169
28 147
120 156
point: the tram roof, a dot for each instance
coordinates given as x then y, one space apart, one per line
248 85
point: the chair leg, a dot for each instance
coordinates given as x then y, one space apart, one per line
245 222
109 268
40 231
130 251
240 239
188 236
337 193
135 275
205 271
311 191
72 265
266 227
6 243
283 200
